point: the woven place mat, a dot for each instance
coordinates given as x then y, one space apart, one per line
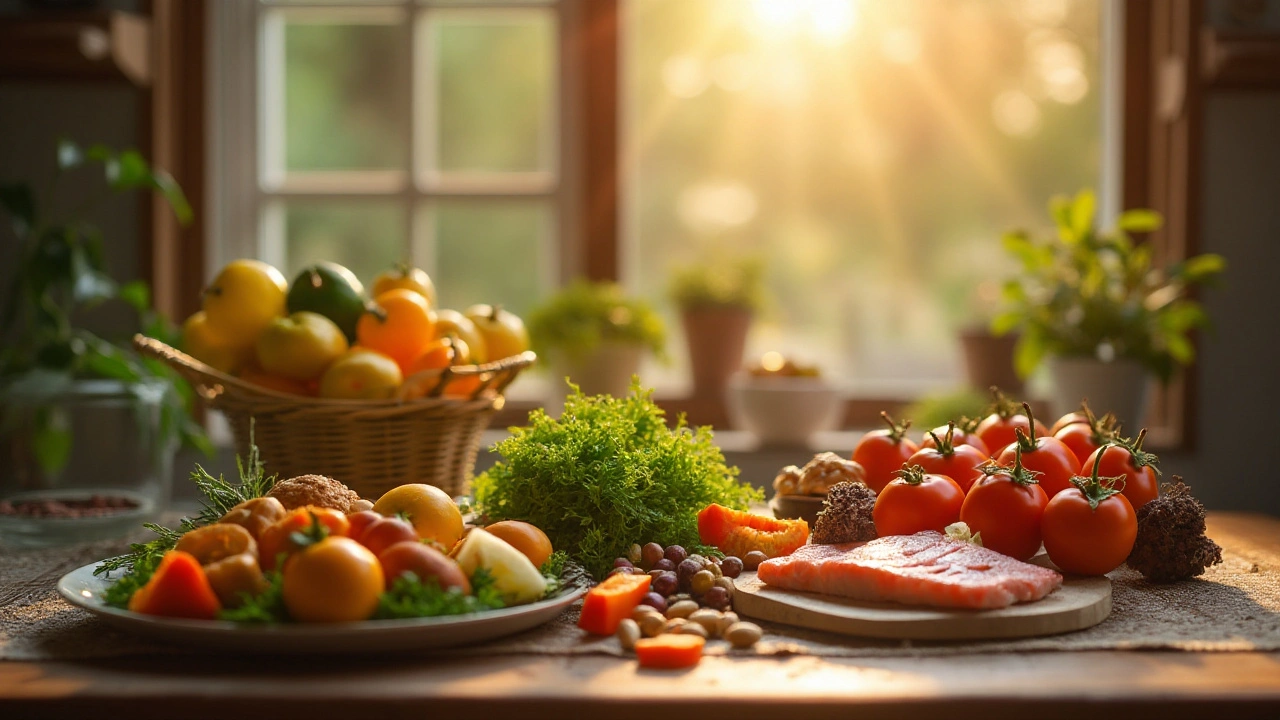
1234 607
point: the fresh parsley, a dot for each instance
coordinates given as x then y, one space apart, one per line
265 607
411 598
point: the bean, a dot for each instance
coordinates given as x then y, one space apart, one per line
725 583
642 610
685 572
664 584
701 582
681 609
650 554
655 601
622 563
743 634
715 570
691 628
717 597
726 620
665 565
702 561
628 633
731 566
652 624
709 620
633 554
675 553
753 559
675 624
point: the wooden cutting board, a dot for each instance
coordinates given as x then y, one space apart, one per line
1080 603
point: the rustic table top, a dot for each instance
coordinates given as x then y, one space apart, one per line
1127 684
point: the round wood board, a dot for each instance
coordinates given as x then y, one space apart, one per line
1080 603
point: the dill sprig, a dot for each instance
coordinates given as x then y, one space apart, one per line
607 474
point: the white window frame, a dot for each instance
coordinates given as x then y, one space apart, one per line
247 189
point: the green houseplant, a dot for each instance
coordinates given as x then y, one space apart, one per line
718 298
1094 304
65 391
595 335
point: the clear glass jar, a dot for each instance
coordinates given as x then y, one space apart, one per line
117 470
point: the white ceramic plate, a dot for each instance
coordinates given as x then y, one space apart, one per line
81 588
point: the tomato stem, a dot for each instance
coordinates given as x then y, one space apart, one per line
896 431
1096 489
947 448
1018 474
1137 455
1031 422
911 475
1001 405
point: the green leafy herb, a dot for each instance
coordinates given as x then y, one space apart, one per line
265 607
607 474
580 317
411 598
139 573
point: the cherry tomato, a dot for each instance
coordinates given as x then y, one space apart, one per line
882 452
1085 438
1089 528
1074 417
997 429
425 562
1006 507
334 580
961 463
965 434
917 501
1048 456
1127 459
358 521
385 532
278 539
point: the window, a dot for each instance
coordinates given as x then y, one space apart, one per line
372 132
871 153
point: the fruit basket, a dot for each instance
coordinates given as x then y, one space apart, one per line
371 445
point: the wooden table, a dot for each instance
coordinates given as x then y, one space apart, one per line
1034 686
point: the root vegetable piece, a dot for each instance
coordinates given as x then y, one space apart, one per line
738 533
669 652
613 600
235 578
178 589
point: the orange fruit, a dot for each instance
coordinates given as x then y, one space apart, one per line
361 374
462 386
409 278
278 383
452 322
442 353
528 539
429 509
400 326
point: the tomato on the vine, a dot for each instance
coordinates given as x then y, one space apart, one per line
882 452
1090 528
961 463
1127 459
997 429
1005 506
1047 456
1086 437
1075 417
965 434
916 501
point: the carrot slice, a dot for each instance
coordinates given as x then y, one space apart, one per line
612 600
179 588
669 651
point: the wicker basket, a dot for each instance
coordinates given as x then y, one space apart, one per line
370 445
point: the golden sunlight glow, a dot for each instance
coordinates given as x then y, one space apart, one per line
827 20
772 361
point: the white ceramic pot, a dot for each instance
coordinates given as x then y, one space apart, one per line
780 410
1118 387
605 371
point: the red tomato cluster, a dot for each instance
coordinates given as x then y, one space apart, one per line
1074 489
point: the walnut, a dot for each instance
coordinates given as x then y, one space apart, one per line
314 490
1171 544
846 515
826 470
788 481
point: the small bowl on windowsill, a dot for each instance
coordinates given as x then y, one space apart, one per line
782 410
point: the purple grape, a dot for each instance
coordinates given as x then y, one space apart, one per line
675 554
717 597
731 567
650 554
664 584
622 562
656 601
685 572
665 565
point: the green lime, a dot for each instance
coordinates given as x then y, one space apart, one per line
330 290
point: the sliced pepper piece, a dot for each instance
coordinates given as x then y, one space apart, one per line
611 601
178 589
668 651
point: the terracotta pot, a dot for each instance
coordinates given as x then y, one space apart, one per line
988 361
717 338
1118 387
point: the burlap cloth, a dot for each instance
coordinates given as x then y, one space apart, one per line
1234 607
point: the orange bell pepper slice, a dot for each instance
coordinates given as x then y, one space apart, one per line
178 589
668 652
612 600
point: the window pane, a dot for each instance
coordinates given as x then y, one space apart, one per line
489 90
871 152
344 79
489 251
367 237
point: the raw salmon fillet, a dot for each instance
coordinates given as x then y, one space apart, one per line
927 568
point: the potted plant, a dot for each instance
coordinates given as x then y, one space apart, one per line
89 428
988 358
718 298
596 336
1093 304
